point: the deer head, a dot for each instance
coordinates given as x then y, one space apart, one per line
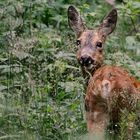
91 42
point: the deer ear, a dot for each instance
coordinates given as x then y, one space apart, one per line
75 20
109 23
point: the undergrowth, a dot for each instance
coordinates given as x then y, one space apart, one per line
41 85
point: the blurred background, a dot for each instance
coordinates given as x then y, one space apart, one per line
41 84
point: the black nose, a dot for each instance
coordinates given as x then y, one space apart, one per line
86 60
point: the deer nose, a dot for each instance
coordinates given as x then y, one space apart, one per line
86 60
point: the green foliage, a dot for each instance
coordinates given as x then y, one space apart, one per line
41 85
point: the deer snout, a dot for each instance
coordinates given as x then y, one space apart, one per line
86 60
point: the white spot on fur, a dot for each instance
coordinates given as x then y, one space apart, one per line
95 115
106 88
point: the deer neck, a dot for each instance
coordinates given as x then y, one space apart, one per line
88 74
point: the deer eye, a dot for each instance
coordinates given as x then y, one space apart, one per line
78 42
99 45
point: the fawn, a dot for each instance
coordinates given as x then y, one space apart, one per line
110 89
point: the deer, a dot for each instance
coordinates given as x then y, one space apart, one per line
110 89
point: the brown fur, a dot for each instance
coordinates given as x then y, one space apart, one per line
88 40
110 89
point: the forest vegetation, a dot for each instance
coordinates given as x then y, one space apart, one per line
41 83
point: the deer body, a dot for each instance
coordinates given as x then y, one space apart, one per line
110 88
